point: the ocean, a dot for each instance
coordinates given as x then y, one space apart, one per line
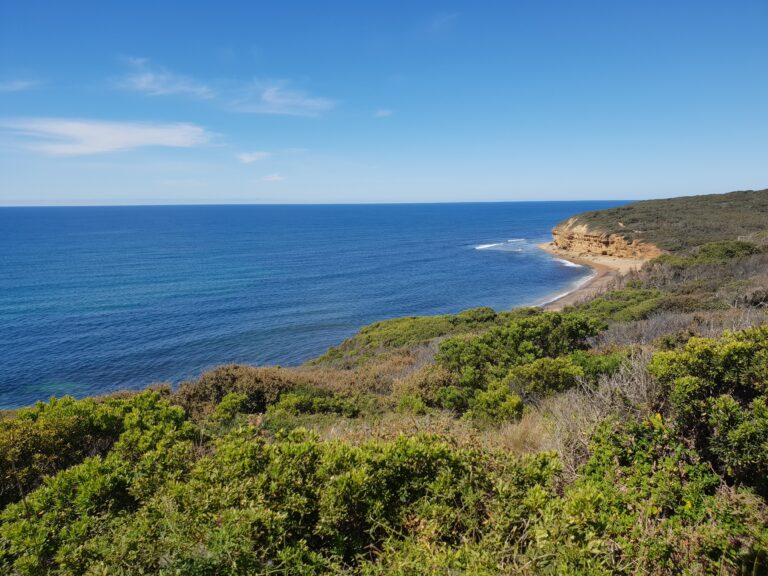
97 299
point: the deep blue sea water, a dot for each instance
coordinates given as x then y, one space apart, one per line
102 298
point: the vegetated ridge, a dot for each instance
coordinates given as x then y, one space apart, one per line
644 229
625 435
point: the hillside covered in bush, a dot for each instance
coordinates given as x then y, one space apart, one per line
685 222
625 435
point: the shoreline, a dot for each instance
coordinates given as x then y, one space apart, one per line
605 270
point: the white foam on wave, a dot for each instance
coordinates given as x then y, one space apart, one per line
569 263
572 288
501 245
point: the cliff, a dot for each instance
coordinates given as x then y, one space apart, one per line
671 225
578 239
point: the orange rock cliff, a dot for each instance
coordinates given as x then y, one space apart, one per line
577 239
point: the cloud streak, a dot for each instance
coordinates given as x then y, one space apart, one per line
160 82
82 137
273 178
18 85
276 98
251 157
383 113
258 97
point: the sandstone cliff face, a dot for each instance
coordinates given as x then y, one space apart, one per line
577 239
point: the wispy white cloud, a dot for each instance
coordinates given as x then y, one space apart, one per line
273 178
276 98
251 157
82 137
18 85
383 113
156 81
258 97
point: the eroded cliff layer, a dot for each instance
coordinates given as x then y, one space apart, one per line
578 239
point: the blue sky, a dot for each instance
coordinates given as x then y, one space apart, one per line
249 102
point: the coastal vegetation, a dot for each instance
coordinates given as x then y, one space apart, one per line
687 222
627 434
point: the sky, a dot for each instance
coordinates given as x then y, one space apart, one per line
190 102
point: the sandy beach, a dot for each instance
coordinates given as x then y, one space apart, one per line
606 270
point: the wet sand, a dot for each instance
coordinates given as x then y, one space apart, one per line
607 269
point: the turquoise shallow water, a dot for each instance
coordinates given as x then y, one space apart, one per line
102 298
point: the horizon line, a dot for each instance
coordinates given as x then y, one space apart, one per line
212 204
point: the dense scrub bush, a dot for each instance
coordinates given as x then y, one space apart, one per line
710 253
455 398
37 442
475 359
410 331
544 376
306 405
646 504
427 383
228 410
495 404
596 365
623 305
485 373
668 330
689 303
681 223
643 503
261 387
296 505
751 293
628 393
412 404
736 281
710 277
309 400
718 390
49 529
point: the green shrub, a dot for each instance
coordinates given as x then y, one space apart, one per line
428 382
645 503
495 404
682 303
718 390
739 438
681 223
454 398
710 253
413 404
39 441
310 400
296 505
410 557
49 529
409 331
477 359
596 365
228 409
307 406
623 305
261 387
544 376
